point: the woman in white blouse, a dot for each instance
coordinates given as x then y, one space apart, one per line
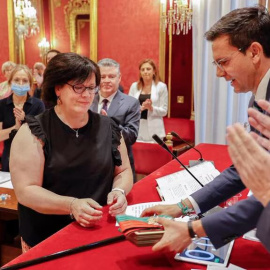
153 97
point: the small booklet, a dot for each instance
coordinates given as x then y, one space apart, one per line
173 187
141 231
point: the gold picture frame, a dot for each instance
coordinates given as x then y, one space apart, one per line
74 9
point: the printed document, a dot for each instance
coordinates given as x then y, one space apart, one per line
179 185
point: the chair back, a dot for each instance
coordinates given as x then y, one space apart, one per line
149 157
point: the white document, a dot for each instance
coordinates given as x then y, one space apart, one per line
175 186
7 184
4 177
136 209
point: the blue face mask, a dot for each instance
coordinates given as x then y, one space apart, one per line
20 90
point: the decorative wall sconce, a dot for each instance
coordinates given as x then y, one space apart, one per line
44 47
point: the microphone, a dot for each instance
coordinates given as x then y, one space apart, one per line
192 162
163 145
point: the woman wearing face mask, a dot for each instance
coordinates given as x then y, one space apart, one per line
153 97
14 108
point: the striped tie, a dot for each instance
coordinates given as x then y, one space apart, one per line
105 104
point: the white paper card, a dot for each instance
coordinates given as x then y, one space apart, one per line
4 177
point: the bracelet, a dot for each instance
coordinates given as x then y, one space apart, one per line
119 189
184 208
191 232
70 210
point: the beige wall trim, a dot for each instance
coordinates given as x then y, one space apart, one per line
93 30
11 30
162 46
52 6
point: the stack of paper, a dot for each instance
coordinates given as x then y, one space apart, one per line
5 180
179 185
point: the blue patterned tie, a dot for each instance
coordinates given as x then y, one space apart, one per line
105 104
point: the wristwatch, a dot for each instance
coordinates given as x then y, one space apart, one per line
191 232
119 189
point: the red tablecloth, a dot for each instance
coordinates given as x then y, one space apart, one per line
125 255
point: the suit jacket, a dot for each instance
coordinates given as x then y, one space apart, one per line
126 110
263 227
159 97
232 222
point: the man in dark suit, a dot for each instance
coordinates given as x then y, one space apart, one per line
253 163
241 52
112 102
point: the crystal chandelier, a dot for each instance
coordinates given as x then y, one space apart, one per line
178 17
26 24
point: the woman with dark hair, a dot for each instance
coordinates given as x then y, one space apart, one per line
14 108
153 97
75 160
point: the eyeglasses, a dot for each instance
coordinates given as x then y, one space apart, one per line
80 88
222 62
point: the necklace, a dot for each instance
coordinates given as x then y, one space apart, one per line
76 131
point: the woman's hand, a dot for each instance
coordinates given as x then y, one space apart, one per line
147 105
172 210
19 113
17 123
86 212
118 202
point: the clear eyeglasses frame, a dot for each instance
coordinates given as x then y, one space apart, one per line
80 88
221 62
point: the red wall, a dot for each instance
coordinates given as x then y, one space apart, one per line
128 31
62 40
181 77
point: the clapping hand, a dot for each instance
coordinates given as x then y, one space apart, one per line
19 113
103 112
147 105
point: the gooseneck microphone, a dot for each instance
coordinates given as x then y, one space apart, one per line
178 137
163 145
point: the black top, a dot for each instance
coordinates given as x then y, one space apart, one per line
143 98
81 167
32 106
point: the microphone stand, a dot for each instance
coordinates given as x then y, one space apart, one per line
190 145
164 146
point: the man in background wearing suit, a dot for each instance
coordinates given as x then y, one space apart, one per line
112 102
241 52
253 163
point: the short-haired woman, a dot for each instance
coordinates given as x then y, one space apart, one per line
75 160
